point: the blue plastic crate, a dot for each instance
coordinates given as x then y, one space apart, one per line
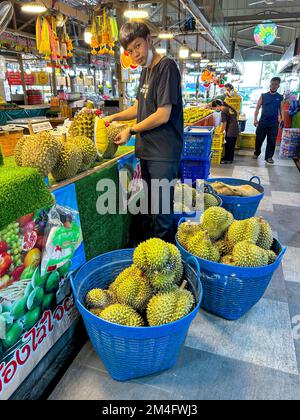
230 292
129 352
191 170
197 142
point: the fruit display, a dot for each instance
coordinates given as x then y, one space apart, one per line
221 239
188 199
53 154
83 124
148 293
194 114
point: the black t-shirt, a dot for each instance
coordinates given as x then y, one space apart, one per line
165 142
232 128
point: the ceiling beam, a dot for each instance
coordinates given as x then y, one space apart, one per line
282 17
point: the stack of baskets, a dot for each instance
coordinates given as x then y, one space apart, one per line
196 159
217 148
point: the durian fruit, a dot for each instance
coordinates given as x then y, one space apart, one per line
152 255
69 162
112 131
132 288
272 256
186 231
98 299
244 230
169 307
265 237
176 263
246 254
162 280
195 240
205 249
18 150
216 221
40 151
210 201
88 150
224 247
228 260
96 311
122 315
83 124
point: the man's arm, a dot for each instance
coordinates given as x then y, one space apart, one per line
160 117
258 108
127 115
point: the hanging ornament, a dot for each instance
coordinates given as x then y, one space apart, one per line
69 46
45 44
38 31
265 33
94 40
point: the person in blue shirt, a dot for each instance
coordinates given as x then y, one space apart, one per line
271 104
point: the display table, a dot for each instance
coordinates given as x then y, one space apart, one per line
6 116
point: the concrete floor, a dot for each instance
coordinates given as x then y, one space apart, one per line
257 357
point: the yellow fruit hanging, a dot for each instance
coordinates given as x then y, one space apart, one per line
101 136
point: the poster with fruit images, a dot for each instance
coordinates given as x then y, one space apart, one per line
36 303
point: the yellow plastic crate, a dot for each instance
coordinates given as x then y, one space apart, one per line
247 141
217 156
217 141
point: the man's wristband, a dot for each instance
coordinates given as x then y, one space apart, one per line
132 132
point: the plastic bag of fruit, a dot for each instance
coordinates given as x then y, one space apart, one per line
62 237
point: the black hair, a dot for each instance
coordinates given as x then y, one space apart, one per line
131 31
218 102
229 86
276 79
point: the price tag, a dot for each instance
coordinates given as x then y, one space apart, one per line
40 127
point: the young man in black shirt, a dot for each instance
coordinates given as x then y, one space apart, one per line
159 129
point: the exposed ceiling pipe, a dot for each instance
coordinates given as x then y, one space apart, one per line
200 18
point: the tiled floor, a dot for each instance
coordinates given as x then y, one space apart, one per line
257 357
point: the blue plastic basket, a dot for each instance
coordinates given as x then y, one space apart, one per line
197 145
129 352
191 170
241 207
230 292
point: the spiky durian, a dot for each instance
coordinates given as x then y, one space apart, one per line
265 237
132 288
205 249
112 131
216 221
246 254
98 298
210 201
169 307
96 311
176 263
272 257
122 315
244 230
228 260
68 163
88 150
187 231
152 255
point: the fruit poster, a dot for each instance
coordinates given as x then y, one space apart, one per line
130 180
36 303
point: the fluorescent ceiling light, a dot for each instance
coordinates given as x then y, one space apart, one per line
161 51
136 14
166 36
33 7
184 52
88 35
196 55
205 60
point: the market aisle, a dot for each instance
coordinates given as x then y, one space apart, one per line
257 357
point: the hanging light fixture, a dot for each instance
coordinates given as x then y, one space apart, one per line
34 7
184 52
88 35
136 14
166 35
197 54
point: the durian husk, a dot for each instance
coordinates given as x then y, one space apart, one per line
69 161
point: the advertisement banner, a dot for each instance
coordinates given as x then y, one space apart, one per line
130 180
37 254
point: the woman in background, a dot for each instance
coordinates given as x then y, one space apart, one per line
230 125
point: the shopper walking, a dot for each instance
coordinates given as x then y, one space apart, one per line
231 127
271 104
159 129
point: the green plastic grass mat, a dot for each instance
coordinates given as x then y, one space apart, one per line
101 233
22 191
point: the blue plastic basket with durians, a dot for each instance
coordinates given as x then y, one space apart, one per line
232 284
132 352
